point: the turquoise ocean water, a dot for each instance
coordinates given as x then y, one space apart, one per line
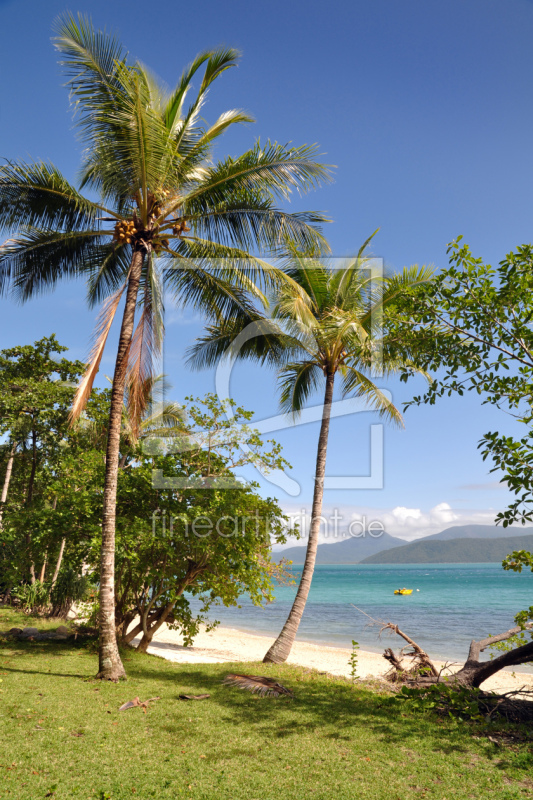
455 604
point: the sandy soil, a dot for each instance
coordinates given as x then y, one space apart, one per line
230 645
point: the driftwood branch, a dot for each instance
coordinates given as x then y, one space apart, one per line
420 659
473 673
476 648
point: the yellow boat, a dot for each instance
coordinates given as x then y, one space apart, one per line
403 591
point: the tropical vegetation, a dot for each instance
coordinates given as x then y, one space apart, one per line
203 539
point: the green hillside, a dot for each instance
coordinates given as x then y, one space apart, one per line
453 551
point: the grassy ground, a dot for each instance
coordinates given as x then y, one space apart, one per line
62 736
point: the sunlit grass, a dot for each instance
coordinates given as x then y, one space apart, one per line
61 732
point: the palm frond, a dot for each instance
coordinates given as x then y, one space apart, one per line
108 271
253 222
343 279
179 124
249 336
258 684
273 169
90 59
296 382
357 384
105 321
37 195
36 259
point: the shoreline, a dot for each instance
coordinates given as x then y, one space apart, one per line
230 645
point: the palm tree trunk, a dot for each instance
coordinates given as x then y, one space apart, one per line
111 667
7 480
29 496
279 652
58 563
42 573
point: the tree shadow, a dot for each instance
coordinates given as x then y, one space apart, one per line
318 703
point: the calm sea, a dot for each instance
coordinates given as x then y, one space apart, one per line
454 604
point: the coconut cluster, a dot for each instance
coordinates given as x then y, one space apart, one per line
180 227
125 230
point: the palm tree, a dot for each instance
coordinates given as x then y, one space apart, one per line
326 323
163 203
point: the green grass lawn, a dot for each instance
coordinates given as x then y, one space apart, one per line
61 728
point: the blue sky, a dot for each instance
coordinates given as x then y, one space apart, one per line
425 109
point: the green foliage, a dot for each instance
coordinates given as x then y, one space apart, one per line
165 556
517 560
458 702
474 322
42 504
70 587
207 535
32 596
353 660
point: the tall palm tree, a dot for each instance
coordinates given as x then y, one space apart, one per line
328 322
163 203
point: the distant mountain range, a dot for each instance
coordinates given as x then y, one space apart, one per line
453 551
347 551
477 532
458 544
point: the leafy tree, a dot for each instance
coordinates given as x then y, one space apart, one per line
474 324
36 391
163 203
204 534
326 324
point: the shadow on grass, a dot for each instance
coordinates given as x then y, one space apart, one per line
332 706
329 704
11 650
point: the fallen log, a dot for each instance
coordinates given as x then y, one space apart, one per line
422 671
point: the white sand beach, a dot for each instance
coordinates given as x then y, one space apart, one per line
231 645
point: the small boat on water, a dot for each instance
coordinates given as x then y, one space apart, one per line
403 591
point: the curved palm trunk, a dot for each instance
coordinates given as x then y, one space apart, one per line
111 667
7 480
281 648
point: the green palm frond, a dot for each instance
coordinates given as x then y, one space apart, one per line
273 169
408 279
234 265
90 59
296 382
37 259
107 271
37 195
183 125
254 222
346 282
356 384
248 336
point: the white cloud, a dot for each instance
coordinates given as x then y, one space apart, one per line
405 523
